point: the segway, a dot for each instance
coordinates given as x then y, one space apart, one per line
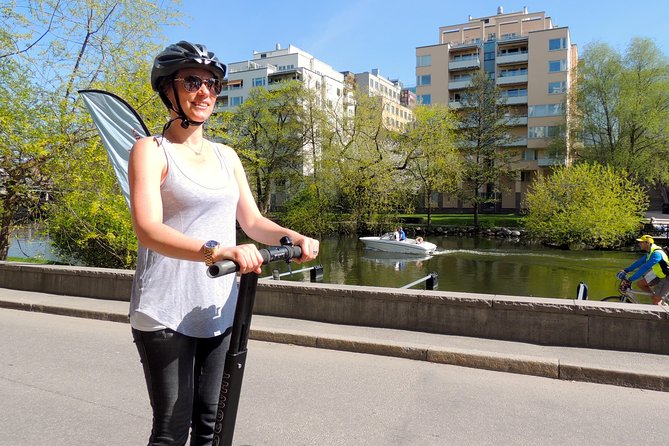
235 359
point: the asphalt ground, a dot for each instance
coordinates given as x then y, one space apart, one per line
628 369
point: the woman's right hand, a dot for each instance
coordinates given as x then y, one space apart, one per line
246 256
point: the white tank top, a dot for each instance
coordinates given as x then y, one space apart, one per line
178 294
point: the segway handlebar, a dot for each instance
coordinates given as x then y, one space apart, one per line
269 254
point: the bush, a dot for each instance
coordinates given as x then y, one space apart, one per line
585 204
93 231
308 213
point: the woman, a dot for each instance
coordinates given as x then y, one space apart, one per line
186 193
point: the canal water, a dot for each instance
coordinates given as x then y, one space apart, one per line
475 265
465 264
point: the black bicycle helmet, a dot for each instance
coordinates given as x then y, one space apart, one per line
179 56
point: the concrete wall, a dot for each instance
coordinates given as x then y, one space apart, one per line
546 321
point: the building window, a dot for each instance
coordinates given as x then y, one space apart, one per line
236 100
557 87
258 82
529 155
424 61
425 79
557 44
555 66
525 176
424 99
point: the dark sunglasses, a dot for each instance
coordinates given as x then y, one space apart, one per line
193 83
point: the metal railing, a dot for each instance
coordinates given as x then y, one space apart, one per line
430 280
315 273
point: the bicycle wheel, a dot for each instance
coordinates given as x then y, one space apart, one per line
617 298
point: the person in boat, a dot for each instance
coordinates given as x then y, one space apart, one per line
403 235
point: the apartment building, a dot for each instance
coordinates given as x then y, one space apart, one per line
395 115
267 68
531 60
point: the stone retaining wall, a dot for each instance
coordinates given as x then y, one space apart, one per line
546 321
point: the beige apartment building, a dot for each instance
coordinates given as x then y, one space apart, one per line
395 115
531 60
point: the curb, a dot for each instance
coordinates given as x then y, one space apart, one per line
520 364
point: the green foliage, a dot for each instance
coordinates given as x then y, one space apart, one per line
623 109
429 149
585 204
360 164
94 231
309 212
269 133
51 142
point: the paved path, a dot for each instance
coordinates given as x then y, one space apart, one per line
73 381
630 369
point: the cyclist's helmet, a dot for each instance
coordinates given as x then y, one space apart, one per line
176 57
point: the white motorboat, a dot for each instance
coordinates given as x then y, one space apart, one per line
387 243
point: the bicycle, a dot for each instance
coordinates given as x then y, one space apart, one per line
628 295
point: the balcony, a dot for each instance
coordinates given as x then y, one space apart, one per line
514 100
459 84
508 80
511 58
516 142
548 162
516 121
455 104
464 64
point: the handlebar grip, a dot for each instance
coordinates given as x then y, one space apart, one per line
222 268
269 254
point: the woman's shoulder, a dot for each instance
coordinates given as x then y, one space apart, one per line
147 141
148 147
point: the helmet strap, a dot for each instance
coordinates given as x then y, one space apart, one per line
185 122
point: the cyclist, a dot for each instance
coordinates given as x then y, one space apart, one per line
650 268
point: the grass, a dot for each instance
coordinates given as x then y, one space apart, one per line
486 220
36 260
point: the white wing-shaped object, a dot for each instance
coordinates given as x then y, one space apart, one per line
119 126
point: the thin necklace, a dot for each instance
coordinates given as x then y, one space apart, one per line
193 149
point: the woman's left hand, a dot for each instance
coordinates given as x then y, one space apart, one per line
309 248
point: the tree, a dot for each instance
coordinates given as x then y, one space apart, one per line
27 146
54 49
360 164
267 131
623 109
429 152
585 204
484 133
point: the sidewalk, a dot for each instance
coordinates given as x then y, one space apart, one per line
630 369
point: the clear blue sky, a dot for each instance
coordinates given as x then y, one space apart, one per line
359 35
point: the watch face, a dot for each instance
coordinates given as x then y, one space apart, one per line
211 244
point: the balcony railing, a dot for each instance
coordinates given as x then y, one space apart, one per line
507 80
463 64
502 59
459 84
547 162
